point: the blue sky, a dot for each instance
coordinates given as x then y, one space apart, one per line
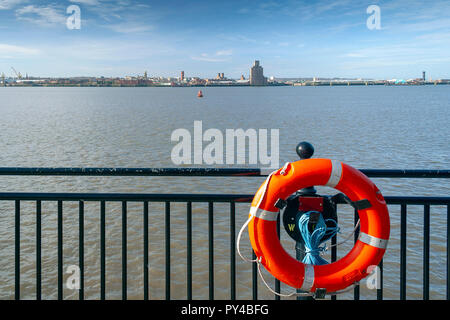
291 38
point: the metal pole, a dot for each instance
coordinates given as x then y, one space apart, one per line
305 151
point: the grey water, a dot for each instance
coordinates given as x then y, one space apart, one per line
374 127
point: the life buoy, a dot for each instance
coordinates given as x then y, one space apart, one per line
354 266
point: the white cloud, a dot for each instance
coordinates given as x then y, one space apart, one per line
10 51
353 55
128 27
228 52
87 2
108 51
233 37
9 4
219 56
45 16
204 57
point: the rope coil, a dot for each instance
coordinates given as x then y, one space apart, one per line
313 240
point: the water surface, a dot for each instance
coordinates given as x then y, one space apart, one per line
366 127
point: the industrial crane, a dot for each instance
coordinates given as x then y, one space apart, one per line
19 76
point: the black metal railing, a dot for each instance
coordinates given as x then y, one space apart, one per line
189 199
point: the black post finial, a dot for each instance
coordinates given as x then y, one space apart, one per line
305 150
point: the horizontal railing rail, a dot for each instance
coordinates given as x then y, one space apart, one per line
203 172
189 199
184 197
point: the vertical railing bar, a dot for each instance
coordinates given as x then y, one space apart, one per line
124 250
211 249
334 256
403 252
254 278
102 250
426 252
189 249
356 290
167 242
146 266
38 250
81 247
17 250
233 250
60 251
277 282
380 284
448 252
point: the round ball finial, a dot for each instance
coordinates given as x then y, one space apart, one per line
305 150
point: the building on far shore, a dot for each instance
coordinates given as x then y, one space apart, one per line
257 75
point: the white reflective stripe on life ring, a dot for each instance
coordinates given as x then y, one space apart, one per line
336 173
373 241
308 280
263 214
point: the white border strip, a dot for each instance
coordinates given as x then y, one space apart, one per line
336 173
373 241
308 280
263 214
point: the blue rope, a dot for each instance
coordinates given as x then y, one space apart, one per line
314 239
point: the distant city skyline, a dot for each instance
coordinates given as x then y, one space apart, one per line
291 38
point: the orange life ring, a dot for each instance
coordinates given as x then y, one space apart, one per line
368 249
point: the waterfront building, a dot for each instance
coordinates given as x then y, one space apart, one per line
182 76
257 75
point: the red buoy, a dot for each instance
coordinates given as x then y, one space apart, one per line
200 94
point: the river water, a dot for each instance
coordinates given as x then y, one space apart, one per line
366 127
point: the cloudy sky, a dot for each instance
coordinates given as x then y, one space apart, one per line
292 38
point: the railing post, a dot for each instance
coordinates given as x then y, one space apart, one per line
278 282
211 249
124 250
426 252
448 252
232 250
38 250
167 242
60 251
380 289
304 150
334 255
102 251
403 252
81 247
254 278
146 266
356 290
17 250
189 250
